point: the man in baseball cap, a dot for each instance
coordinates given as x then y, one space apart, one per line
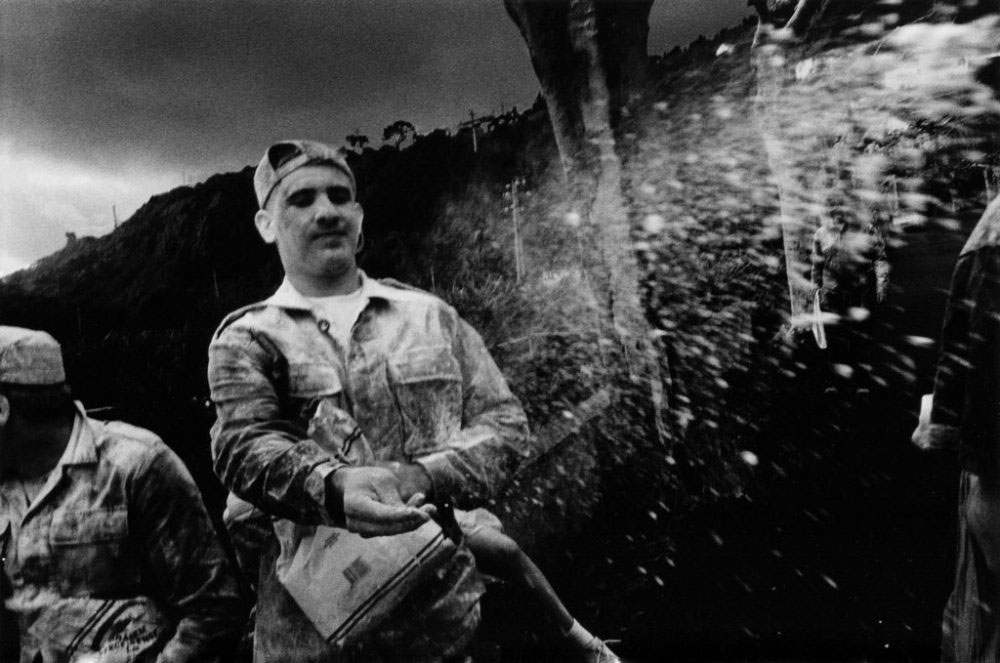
29 357
416 378
308 210
284 158
91 510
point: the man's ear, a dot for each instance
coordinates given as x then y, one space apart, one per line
4 410
361 232
265 225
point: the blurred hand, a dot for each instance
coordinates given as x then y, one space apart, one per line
373 504
921 436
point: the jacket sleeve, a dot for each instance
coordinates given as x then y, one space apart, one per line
9 635
258 454
186 562
493 440
966 411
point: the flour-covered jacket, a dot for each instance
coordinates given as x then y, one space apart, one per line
966 412
116 550
415 376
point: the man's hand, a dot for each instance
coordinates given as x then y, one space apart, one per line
373 505
413 479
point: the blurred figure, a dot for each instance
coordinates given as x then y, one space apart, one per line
108 552
849 265
850 277
964 416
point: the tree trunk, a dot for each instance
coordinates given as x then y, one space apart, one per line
570 42
607 213
590 58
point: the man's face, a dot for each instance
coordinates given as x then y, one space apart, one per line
314 221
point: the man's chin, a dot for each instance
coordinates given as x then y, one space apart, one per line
338 263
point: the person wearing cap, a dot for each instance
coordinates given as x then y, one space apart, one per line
416 378
108 551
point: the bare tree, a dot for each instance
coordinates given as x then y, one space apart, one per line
590 58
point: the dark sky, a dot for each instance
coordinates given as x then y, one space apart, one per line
107 102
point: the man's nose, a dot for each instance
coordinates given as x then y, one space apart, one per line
327 211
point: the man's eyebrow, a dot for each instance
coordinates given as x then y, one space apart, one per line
340 188
313 188
300 189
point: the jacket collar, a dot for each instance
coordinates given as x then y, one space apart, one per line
987 231
286 296
82 446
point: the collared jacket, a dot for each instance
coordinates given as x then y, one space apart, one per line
119 518
966 411
415 376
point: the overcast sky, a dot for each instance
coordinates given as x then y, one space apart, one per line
107 102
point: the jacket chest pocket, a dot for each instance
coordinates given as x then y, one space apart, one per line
427 385
308 384
92 549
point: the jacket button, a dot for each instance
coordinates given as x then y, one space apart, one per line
324 326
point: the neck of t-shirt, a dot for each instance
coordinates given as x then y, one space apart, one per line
309 286
341 311
338 299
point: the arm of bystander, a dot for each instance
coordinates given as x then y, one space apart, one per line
187 566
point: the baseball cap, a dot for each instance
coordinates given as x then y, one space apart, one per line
29 357
286 157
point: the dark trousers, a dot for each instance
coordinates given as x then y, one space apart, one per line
971 626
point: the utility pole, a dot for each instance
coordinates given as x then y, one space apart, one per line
518 254
215 284
114 213
472 125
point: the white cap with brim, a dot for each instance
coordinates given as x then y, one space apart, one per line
30 358
284 158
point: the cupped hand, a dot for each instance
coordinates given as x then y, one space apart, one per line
373 505
413 478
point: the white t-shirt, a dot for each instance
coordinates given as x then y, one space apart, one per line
341 311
